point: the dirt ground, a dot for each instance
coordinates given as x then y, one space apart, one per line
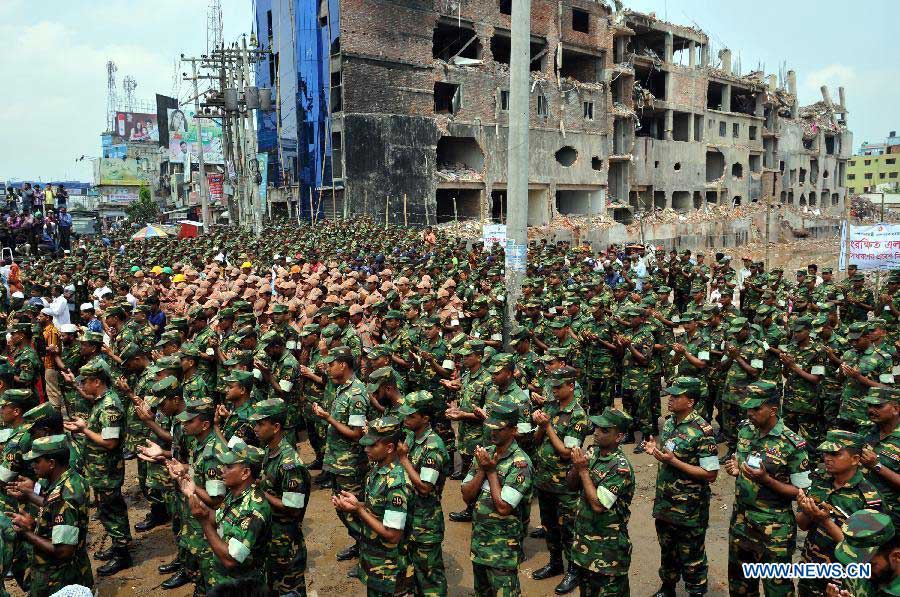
325 535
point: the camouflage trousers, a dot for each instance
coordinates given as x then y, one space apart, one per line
830 404
600 392
748 542
682 554
286 560
48 579
138 432
113 513
711 402
595 584
810 428
558 512
355 486
428 569
731 418
496 582
638 402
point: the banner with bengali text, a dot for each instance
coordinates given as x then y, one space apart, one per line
875 247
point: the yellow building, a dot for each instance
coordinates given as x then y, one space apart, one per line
865 172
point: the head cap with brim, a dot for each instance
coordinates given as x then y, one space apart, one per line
864 533
96 368
264 409
195 408
857 330
737 324
383 428
416 402
503 415
838 439
241 453
22 398
378 377
239 376
690 386
341 353
879 396
759 393
562 376
47 446
612 417
502 361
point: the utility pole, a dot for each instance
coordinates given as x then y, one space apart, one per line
517 156
204 190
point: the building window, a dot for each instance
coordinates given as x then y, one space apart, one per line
588 110
852 162
868 176
868 162
881 175
723 129
892 175
506 7
891 161
735 130
446 98
543 109
710 123
581 21
851 177
504 100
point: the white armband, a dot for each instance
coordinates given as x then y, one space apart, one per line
290 345
237 550
292 499
523 427
234 441
214 487
210 352
709 463
110 433
257 374
703 355
756 363
429 475
886 378
606 497
818 370
64 534
7 475
356 420
765 345
571 442
394 520
511 496
496 337
800 480
448 365
467 478
285 385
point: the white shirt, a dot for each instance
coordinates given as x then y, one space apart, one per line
60 308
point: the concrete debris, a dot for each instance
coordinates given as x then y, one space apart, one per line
458 173
465 229
573 223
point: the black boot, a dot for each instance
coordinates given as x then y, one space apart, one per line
156 517
120 561
665 591
315 465
538 533
169 568
554 568
324 479
462 515
179 579
349 553
458 475
106 554
569 581
629 438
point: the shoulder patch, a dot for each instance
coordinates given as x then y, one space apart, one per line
796 439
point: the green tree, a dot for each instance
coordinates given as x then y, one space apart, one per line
144 210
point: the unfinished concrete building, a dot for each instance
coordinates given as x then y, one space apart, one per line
628 114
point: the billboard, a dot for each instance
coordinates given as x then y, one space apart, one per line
183 138
216 194
133 126
115 171
163 104
875 247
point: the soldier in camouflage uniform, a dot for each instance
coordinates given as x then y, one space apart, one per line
58 534
858 300
206 484
804 366
205 339
869 538
604 478
691 356
743 362
499 486
638 371
432 366
863 366
837 489
688 464
881 454
384 396
383 517
103 463
344 457
233 421
16 440
601 358
561 425
347 334
771 466
193 385
427 464
238 531
27 368
285 484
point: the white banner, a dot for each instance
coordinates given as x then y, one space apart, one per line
874 247
493 233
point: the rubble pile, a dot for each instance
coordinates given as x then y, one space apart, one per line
457 172
465 229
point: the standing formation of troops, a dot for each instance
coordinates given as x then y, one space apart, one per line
214 362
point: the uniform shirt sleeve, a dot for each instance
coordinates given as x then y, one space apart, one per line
294 492
708 453
433 464
65 523
798 466
517 482
611 486
576 432
241 541
397 505
287 378
111 420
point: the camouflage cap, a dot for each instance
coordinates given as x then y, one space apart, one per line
763 311
95 368
340 311
857 330
562 375
612 417
380 350
378 377
415 402
18 397
338 353
864 533
131 350
179 323
169 337
395 314
471 347
819 321
737 324
559 323
93 337
239 376
879 396
189 349
331 330
196 313
385 427
686 317
502 361
114 311
278 308
272 338
241 453
47 446
838 439
557 353
309 329
759 393
502 415
690 386
663 290
195 408
273 407
171 362
802 323
40 411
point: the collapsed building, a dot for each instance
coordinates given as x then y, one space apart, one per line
628 114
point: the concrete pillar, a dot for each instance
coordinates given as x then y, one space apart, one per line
773 82
693 51
842 98
792 82
670 120
725 56
670 48
726 98
704 56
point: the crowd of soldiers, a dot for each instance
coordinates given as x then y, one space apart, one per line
214 361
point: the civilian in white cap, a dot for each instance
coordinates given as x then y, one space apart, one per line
89 318
59 306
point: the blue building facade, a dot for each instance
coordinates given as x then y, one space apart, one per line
300 34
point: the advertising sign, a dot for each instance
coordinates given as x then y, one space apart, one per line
263 161
215 187
493 233
875 247
114 171
183 138
133 126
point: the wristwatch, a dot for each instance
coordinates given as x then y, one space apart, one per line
877 468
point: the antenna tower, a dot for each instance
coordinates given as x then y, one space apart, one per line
214 26
129 85
111 98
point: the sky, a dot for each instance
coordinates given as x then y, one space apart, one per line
53 66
